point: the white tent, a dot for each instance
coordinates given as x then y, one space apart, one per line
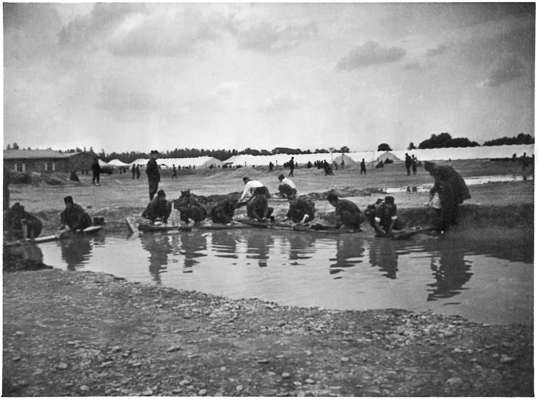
467 153
192 162
247 160
386 155
117 163
103 164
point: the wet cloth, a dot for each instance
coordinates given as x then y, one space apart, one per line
300 207
348 214
75 217
158 208
14 220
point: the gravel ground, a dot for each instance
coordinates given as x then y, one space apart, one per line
81 334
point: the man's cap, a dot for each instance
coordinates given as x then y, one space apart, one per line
389 199
280 177
161 193
246 179
68 199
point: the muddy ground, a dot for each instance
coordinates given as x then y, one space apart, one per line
79 333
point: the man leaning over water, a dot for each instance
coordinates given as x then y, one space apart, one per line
74 217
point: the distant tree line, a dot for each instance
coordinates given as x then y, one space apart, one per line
519 139
445 140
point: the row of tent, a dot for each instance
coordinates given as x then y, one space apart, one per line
370 157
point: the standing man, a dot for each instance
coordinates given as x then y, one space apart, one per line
133 170
414 163
96 170
292 166
363 167
174 171
408 162
152 171
137 171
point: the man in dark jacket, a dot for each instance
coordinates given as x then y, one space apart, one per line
302 210
152 171
451 189
159 207
346 212
19 224
96 171
74 217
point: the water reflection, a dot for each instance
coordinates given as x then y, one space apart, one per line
75 251
349 252
383 254
159 247
450 270
224 244
301 246
258 245
193 245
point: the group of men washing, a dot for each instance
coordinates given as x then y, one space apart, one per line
448 192
347 216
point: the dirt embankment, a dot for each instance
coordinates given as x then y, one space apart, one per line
79 333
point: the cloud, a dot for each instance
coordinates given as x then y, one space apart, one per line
227 88
166 32
370 53
437 51
281 103
506 70
416 66
92 28
266 36
29 32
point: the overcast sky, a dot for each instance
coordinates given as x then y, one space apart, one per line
141 76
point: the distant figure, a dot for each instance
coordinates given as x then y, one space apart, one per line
19 224
408 162
189 208
382 216
380 164
414 163
73 217
346 212
363 167
292 166
174 171
96 171
524 162
448 192
133 170
287 188
6 189
302 210
327 168
158 208
271 166
137 171
153 173
309 164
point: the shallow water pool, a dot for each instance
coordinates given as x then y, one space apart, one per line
483 280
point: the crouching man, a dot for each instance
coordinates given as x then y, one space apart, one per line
382 217
158 208
258 206
348 215
19 224
73 217
302 210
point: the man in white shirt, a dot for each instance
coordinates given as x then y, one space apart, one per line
287 188
251 186
255 195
